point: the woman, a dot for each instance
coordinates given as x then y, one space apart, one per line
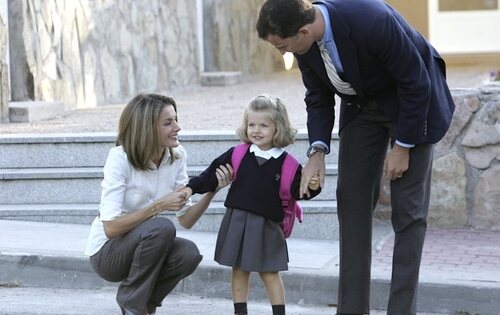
143 177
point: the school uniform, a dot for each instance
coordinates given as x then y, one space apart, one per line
250 236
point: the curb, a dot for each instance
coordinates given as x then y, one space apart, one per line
212 280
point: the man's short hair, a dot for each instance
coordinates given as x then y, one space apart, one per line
284 18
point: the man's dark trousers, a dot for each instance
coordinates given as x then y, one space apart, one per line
363 147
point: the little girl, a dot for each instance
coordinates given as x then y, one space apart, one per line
250 236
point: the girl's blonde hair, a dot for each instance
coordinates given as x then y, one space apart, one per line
138 129
285 134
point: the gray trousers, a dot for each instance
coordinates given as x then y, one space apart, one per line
149 261
363 147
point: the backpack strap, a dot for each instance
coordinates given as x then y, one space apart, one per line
238 153
288 170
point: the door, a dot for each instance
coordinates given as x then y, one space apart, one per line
465 26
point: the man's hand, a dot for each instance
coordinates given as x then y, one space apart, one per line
396 162
314 183
314 167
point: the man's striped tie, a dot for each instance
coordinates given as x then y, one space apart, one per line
341 86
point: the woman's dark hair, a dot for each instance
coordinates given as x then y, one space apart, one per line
284 18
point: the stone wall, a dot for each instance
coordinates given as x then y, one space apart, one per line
466 171
92 52
101 51
477 143
4 74
231 41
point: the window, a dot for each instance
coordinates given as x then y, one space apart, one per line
467 5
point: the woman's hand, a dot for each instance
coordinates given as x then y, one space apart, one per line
224 175
172 201
187 190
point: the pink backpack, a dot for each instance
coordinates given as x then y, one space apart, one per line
291 208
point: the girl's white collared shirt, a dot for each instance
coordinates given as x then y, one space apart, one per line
273 152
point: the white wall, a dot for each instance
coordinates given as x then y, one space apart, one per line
464 31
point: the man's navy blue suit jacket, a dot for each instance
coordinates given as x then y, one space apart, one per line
386 61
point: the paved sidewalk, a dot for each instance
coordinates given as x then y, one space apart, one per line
102 302
459 270
215 108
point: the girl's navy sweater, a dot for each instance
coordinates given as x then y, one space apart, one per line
255 188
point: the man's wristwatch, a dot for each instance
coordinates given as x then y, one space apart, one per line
315 148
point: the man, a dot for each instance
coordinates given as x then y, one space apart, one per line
392 87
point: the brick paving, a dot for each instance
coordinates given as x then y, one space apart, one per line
468 254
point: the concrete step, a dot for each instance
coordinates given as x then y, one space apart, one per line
50 185
23 112
320 217
91 150
83 185
55 150
220 78
57 177
74 213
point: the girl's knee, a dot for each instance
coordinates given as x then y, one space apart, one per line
269 276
